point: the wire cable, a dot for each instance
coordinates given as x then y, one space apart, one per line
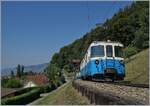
88 14
108 11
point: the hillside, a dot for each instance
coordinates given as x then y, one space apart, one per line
137 68
129 26
65 95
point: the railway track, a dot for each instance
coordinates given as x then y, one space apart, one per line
134 85
116 93
123 83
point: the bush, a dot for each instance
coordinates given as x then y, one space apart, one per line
53 86
19 92
13 83
129 51
3 82
24 90
59 83
63 79
45 89
22 99
48 88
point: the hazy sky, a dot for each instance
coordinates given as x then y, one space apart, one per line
33 31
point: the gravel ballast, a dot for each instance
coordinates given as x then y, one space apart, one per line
110 94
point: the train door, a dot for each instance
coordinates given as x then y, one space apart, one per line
110 61
110 71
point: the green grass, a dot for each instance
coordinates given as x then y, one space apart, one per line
137 68
66 95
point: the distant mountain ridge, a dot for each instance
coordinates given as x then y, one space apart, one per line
34 68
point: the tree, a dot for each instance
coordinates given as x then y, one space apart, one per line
19 70
12 74
54 74
31 72
22 70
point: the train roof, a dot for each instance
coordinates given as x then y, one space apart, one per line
106 43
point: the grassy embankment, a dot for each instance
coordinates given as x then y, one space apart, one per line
137 68
65 95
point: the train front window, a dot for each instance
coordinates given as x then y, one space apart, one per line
118 51
109 51
97 51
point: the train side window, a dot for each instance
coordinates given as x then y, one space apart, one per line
109 51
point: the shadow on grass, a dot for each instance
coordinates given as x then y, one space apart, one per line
130 59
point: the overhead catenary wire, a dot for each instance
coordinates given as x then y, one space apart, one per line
104 17
88 14
108 11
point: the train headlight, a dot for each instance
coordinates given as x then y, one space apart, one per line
96 62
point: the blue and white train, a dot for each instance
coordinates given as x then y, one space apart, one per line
103 60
